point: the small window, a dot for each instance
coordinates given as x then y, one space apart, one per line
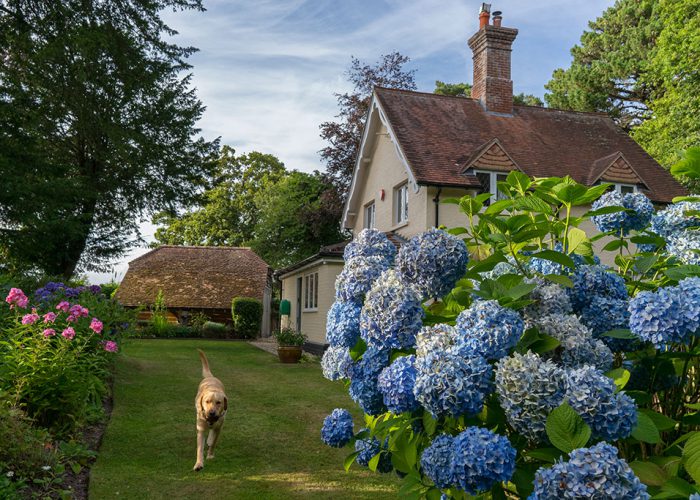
489 184
401 204
625 188
370 211
311 291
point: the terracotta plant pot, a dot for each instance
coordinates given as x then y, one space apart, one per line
289 354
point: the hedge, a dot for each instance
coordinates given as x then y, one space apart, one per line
247 316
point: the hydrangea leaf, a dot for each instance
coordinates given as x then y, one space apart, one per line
691 456
549 455
676 487
620 376
556 257
523 478
349 460
374 461
649 473
646 430
429 423
559 280
577 242
605 211
621 333
614 245
566 429
662 422
680 272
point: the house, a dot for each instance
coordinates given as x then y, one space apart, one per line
418 149
198 279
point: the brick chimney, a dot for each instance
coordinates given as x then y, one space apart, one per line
491 47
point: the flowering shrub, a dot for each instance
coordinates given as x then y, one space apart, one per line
530 370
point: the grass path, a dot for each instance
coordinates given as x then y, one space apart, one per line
269 448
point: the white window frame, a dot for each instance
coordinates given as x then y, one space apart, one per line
370 215
618 187
310 292
401 204
493 183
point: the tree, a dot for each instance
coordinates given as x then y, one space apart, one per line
97 128
227 211
292 222
465 90
609 71
345 134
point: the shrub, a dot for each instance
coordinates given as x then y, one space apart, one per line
197 322
214 330
290 337
247 316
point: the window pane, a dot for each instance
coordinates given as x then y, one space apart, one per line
499 194
306 292
401 207
626 189
316 290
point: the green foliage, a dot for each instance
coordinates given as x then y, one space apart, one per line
197 322
566 429
158 324
97 128
465 90
290 337
247 316
214 330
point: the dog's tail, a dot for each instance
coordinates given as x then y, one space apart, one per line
206 372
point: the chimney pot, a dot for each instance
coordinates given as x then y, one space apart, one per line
497 17
484 15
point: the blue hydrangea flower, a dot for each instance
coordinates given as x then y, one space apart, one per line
358 276
481 459
436 337
592 395
675 218
336 362
436 460
343 324
593 473
392 314
694 496
396 383
448 384
368 243
689 291
368 448
363 380
488 329
433 261
590 281
639 217
337 428
603 314
578 347
657 317
529 388
501 269
684 245
549 298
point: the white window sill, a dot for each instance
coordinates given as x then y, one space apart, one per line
310 310
400 225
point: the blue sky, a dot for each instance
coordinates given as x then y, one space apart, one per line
267 69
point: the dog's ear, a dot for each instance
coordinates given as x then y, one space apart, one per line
201 405
225 404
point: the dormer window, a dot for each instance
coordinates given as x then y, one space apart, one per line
489 184
625 188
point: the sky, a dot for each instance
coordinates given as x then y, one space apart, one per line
267 70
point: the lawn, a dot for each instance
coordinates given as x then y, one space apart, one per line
269 447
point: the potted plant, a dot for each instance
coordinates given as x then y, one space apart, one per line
289 343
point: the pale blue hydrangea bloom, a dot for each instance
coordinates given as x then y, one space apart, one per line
578 347
336 362
343 324
358 276
337 428
592 395
396 383
392 314
368 448
689 290
638 219
675 218
448 384
604 314
436 337
694 496
370 242
657 317
594 473
481 459
501 269
436 460
488 329
433 261
549 298
529 388
363 380
684 245
590 281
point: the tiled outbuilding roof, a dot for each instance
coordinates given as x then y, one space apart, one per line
440 135
194 277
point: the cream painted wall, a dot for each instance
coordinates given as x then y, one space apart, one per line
449 214
386 171
313 323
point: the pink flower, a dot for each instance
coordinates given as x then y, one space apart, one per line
111 346
49 317
77 310
63 306
16 297
71 318
30 319
96 325
49 332
68 333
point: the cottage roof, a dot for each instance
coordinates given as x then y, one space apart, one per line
440 136
194 277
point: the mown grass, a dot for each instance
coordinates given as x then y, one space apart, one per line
269 447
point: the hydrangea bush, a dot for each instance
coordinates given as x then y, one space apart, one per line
504 360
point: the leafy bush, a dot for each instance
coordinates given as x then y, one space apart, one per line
290 337
518 357
197 322
247 316
158 325
214 330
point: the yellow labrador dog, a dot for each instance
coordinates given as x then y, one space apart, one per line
211 405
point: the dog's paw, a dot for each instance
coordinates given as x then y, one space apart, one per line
210 456
198 466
